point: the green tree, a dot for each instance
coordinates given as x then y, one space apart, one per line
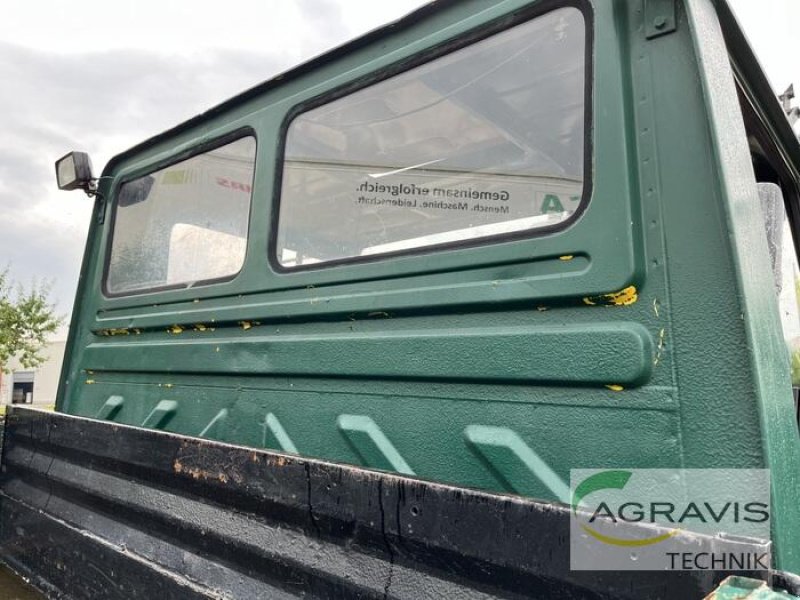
27 318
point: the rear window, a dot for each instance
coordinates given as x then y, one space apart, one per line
485 141
185 224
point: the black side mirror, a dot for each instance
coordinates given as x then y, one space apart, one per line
135 191
74 171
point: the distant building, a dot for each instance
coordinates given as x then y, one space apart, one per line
34 386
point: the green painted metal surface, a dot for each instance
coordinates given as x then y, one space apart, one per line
742 588
484 366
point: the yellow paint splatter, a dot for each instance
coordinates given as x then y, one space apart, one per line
114 332
622 298
615 387
566 257
175 329
90 381
245 325
200 327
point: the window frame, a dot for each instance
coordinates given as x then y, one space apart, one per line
469 38
197 150
756 125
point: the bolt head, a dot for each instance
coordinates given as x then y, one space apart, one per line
660 22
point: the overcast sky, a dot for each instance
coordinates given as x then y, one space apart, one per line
100 76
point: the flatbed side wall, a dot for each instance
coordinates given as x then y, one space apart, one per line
95 510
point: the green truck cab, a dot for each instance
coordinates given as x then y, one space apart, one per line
479 247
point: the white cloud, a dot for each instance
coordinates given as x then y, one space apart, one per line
772 28
290 28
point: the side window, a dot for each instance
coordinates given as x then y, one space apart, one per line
778 197
785 268
487 140
184 224
789 299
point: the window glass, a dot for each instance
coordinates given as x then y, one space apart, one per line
788 299
484 141
184 224
785 268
